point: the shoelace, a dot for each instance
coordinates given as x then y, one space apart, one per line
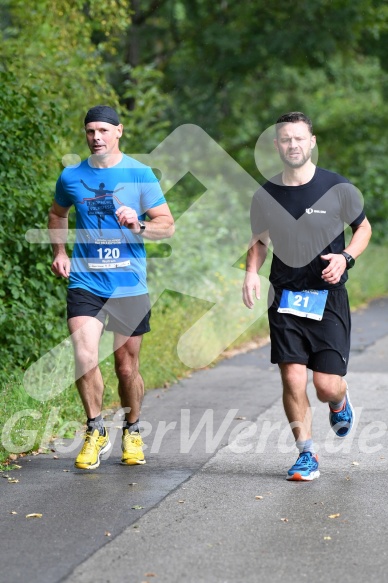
90 442
130 439
305 458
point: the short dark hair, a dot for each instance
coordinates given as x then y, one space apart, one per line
294 117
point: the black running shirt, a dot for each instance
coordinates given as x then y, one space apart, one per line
305 222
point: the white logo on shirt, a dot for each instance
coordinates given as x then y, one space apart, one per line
310 211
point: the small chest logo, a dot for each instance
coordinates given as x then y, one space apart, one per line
310 211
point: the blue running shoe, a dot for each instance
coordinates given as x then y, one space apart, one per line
305 468
342 421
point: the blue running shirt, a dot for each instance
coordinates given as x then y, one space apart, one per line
108 260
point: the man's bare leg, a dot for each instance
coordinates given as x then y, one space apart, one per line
131 385
295 400
131 391
298 411
330 388
86 333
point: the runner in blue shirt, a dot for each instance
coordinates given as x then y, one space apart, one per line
118 202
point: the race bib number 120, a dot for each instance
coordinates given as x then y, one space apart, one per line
108 255
306 303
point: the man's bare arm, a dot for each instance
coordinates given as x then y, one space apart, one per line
256 256
58 227
360 239
337 262
160 225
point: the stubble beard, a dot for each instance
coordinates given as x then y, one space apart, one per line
296 163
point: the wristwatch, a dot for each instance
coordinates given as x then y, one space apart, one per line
350 261
142 226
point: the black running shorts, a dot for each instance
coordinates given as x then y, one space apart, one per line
323 346
129 316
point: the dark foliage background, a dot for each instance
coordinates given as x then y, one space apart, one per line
231 68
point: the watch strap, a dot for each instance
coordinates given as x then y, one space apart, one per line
350 261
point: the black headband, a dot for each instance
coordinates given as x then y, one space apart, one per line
102 113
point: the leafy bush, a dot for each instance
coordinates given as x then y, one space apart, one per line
29 295
49 80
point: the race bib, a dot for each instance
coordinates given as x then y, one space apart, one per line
306 303
108 254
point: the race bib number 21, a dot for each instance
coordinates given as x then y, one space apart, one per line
306 303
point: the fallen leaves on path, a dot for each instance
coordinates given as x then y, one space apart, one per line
137 507
34 515
334 515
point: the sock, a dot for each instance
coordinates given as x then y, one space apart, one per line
304 446
132 427
337 406
96 423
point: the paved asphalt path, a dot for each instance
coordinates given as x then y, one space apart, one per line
217 441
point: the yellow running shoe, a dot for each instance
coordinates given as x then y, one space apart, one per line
94 446
132 449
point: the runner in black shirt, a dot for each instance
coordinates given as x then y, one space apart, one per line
303 212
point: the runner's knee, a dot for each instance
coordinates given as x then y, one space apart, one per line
127 370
